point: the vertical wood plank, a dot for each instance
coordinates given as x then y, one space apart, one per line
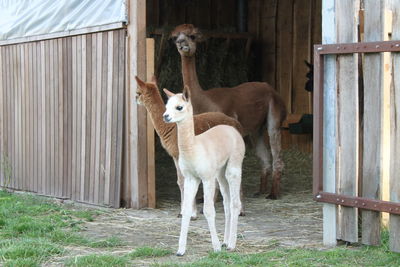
35 117
21 169
330 132
51 110
39 115
56 122
17 116
103 110
120 117
89 76
60 105
113 158
135 174
65 116
394 220
373 98
78 100
97 115
30 118
348 114
268 35
93 120
48 120
43 112
73 111
69 116
151 175
83 119
109 106
284 51
301 52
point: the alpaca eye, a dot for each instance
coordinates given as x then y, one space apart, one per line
179 108
192 37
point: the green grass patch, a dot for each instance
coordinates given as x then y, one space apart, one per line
33 228
96 260
341 256
149 252
24 251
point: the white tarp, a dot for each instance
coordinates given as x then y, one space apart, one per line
23 18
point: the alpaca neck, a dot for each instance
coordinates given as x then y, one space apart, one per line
155 107
186 137
190 75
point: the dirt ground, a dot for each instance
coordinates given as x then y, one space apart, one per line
295 220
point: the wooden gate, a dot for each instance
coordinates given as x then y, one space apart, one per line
61 116
356 133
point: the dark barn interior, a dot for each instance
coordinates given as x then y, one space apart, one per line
246 40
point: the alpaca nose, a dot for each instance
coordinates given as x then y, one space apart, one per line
166 117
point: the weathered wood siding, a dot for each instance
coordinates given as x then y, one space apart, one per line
61 116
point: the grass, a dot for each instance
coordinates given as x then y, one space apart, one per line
341 256
34 229
117 260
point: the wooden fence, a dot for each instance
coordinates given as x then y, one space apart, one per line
61 116
356 150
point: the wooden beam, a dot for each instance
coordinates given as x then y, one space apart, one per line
135 154
373 118
329 150
151 174
348 118
394 220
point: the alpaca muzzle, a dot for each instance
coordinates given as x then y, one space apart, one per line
166 118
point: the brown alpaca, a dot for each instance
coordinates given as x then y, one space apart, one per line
149 95
255 105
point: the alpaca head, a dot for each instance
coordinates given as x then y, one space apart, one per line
178 106
145 89
185 37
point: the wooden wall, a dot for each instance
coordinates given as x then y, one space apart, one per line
61 116
284 34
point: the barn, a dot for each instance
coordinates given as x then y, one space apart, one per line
70 127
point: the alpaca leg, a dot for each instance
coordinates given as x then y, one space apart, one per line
191 186
181 181
233 176
224 187
263 152
277 162
209 211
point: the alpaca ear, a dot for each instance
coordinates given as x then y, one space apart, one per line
140 82
186 93
168 93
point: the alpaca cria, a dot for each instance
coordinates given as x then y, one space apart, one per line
149 95
215 155
255 105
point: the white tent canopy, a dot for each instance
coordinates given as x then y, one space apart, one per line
26 18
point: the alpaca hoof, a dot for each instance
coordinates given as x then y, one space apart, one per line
272 196
224 245
193 218
242 213
180 254
179 215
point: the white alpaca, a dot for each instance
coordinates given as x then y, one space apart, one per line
216 154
